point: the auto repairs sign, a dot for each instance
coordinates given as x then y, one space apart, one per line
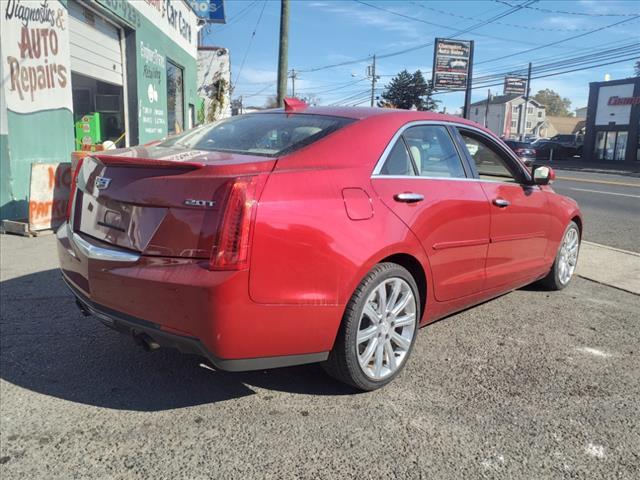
35 55
451 64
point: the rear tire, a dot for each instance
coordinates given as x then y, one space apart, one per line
566 260
378 329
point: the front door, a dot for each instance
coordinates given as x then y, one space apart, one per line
422 180
519 214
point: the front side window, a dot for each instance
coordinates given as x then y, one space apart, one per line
265 134
175 108
490 163
433 152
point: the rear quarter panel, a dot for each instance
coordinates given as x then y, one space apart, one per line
305 248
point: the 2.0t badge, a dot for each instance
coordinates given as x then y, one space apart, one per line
102 183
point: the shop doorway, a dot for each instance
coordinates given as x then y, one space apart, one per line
98 112
97 80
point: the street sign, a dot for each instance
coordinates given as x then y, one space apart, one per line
210 10
451 59
517 85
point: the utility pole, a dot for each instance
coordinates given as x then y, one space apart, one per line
486 109
283 53
526 104
467 93
373 80
293 76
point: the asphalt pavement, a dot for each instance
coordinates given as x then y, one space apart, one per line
610 205
532 385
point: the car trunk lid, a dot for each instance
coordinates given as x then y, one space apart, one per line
159 201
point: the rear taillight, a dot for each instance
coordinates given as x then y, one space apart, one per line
231 250
73 186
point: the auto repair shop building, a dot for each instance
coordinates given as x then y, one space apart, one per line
78 73
613 118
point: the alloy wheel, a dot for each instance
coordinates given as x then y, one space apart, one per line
568 255
386 328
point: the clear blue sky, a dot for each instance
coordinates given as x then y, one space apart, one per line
325 32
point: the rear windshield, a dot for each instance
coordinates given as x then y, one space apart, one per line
267 134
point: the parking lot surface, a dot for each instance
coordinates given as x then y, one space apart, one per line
533 384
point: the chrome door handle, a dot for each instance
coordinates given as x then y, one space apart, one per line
501 202
408 197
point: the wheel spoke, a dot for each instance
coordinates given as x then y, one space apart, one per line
371 313
405 320
367 334
365 358
402 304
378 359
401 341
391 356
382 299
395 293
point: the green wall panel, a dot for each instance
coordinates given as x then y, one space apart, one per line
41 137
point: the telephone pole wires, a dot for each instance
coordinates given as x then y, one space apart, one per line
293 75
374 78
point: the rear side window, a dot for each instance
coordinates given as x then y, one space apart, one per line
398 162
433 152
267 134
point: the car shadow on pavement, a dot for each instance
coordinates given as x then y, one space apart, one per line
47 346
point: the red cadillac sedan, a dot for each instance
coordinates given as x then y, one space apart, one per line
310 235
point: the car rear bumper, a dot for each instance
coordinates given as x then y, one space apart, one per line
180 303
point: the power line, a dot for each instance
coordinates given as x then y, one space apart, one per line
565 12
526 27
561 41
554 74
417 47
253 34
563 62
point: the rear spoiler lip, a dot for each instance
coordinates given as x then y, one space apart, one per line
206 168
146 162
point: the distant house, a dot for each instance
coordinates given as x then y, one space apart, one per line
560 126
505 115
581 112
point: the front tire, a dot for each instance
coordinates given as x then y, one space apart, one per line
566 259
378 329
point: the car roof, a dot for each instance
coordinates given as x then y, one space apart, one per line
361 113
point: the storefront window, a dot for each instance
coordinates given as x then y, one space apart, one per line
600 145
175 104
611 145
621 146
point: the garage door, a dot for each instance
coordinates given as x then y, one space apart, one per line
95 45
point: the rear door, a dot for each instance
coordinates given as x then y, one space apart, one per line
422 179
519 213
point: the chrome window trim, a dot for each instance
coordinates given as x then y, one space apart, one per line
507 151
378 167
398 134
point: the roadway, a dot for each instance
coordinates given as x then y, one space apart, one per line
610 205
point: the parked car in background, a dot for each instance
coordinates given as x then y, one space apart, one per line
546 148
573 143
523 150
310 235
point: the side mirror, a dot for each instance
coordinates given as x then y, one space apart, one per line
543 175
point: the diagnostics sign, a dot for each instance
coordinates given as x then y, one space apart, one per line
35 55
